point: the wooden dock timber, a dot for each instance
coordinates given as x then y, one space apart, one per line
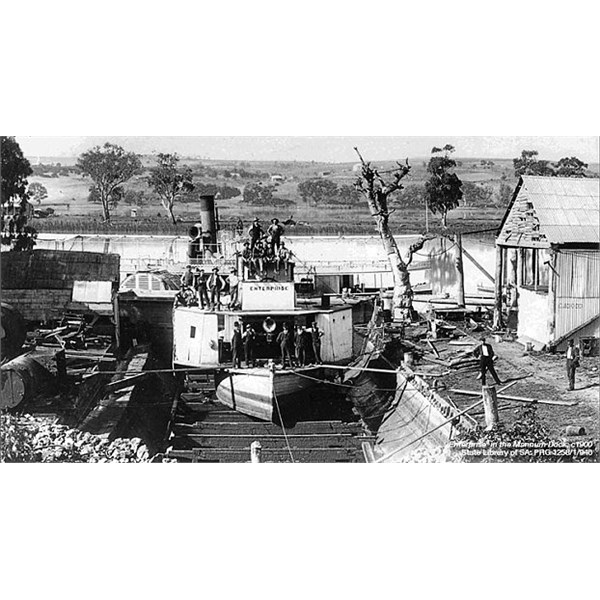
207 431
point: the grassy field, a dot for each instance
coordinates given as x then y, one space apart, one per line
74 214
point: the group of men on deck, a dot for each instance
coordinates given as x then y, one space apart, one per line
297 350
200 289
264 248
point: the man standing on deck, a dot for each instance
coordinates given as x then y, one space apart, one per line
486 356
572 363
187 279
275 232
255 232
316 335
236 346
298 346
234 288
249 341
215 285
200 287
305 346
284 339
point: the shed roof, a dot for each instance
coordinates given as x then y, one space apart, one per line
568 208
552 210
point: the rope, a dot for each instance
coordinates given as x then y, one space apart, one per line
200 371
344 385
287 443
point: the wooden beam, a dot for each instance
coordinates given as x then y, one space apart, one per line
113 386
472 259
517 398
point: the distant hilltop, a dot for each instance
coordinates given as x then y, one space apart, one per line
321 149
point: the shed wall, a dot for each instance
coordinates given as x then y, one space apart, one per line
577 289
534 316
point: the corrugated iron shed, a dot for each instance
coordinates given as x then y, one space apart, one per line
568 208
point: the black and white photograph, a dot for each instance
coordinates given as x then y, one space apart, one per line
298 299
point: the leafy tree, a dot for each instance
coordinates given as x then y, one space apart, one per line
477 195
318 191
94 195
528 164
255 193
170 182
109 167
348 194
570 167
443 190
37 192
225 192
16 210
504 195
136 197
411 196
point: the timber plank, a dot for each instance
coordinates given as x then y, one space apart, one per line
270 442
313 455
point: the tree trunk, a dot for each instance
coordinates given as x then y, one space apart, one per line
403 293
105 208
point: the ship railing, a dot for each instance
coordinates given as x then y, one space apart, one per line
333 267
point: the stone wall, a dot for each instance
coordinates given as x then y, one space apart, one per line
39 283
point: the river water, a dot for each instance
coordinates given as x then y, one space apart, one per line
434 264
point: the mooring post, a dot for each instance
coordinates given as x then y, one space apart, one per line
460 300
255 451
490 406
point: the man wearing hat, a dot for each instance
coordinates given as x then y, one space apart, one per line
255 232
275 232
486 356
215 285
187 279
234 288
200 287
236 346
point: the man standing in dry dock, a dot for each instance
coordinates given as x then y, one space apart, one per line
572 363
486 356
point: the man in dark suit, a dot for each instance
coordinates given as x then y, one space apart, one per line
485 353
236 346
285 341
255 232
200 287
249 337
572 363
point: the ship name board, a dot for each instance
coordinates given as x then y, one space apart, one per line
268 296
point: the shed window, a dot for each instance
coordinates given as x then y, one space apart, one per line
534 270
192 332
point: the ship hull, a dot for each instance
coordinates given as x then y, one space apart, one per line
262 393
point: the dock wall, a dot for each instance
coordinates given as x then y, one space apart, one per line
417 409
39 283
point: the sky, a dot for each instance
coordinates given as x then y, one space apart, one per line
322 148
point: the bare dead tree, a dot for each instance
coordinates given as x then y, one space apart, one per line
377 191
